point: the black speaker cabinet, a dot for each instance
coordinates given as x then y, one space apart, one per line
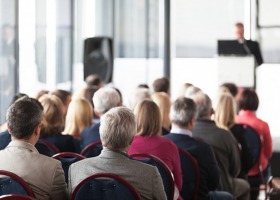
98 57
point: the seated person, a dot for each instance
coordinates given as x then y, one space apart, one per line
183 119
224 145
104 99
44 175
117 130
53 125
149 140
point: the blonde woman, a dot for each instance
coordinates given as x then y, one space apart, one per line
79 116
53 124
163 102
225 115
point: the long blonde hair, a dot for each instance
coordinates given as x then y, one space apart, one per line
225 112
163 102
79 116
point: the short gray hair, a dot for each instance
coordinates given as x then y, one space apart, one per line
104 99
138 95
117 128
203 103
183 111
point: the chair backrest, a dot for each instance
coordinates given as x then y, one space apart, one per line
16 197
191 175
53 149
11 183
92 150
66 159
104 186
165 172
254 143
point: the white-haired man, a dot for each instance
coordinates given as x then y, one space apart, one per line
104 99
224 145
117 129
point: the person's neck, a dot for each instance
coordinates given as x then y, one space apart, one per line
30 141
182 127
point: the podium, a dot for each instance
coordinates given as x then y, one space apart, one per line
236 69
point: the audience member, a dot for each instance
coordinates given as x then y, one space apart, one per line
143 85
225 115
79 117
94 80
161 85
148 139
104 99
41 93
163 102
248 104
53 125
183 89
138 95
65 98
224 145
116 131
232 88
191 90
43 174
183 119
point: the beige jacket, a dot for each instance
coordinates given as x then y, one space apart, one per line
43 174
145 178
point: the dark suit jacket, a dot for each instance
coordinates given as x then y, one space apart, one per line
255 50
209 171
5 139
90 135
65 143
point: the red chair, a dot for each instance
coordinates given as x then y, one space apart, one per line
53 149
165 172
13 184
92 150
191 175
16 197
66 159
105 186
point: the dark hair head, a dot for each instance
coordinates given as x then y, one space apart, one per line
17 96
23 116
63 95
248 100
143 86
93 80
231 87
239 24
161 85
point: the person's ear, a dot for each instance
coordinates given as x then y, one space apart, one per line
37 129
9 130
97 113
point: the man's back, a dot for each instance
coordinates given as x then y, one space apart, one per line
144 178
90 135
43 174
202 152
225 147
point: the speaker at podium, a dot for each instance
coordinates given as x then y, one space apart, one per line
98 57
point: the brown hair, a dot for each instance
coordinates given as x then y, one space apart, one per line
148 118
248 100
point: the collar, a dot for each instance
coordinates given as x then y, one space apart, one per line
181 131
109 153
23 145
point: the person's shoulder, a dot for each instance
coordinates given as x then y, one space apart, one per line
143 167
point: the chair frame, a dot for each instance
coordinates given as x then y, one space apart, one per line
25 186
262 181
110 176
16 196
89 147
166 168
197 169
51 146
68 155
